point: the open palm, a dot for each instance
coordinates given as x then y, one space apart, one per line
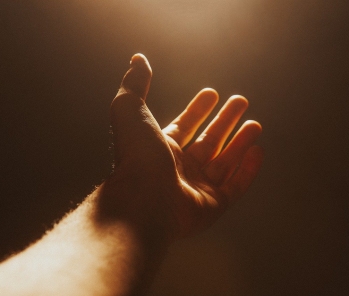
197 181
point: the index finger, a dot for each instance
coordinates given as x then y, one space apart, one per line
186 124
209 144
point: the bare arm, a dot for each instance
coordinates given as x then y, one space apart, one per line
160 191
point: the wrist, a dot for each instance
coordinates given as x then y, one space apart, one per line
138 204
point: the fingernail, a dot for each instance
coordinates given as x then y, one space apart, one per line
139 60
137 78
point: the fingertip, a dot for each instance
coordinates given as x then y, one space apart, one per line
209 94
208 91
253 125
137 78
140 60
205 99
239 102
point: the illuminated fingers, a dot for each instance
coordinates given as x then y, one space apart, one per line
186 124
237 185
210 142
224 165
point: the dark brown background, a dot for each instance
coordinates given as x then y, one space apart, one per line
61 64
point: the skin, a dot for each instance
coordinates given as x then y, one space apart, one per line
161 190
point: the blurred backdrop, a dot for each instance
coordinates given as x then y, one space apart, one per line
61 64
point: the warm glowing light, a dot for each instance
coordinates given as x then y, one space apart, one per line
198 18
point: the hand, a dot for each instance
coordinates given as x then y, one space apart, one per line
158 180
160 190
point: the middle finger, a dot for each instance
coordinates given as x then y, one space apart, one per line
210 142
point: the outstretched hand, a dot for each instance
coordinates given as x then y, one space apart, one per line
164 182
162 189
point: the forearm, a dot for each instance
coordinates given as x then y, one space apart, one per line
83 256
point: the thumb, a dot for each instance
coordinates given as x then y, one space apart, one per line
137 79
136 133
